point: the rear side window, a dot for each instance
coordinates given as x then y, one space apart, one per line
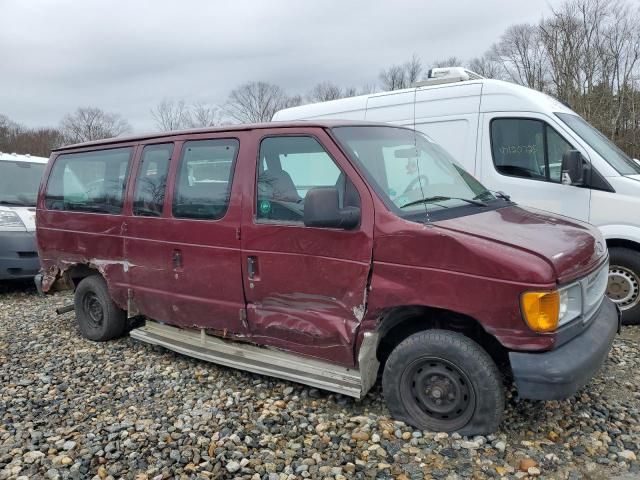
151 181
89 181
204 178
527 148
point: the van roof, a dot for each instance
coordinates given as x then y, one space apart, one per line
225 128
497 95
15 157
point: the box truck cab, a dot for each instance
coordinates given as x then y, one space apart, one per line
317 252
20 177
513 139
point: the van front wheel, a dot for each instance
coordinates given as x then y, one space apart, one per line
99 318
624 283
440 380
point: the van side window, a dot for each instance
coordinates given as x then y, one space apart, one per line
204 177
151 181
89 181
527 148
288 167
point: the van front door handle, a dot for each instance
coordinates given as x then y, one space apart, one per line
177 259
252 267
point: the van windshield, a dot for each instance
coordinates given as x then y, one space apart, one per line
601 144
19 182
411 172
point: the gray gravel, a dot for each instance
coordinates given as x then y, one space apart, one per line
70 408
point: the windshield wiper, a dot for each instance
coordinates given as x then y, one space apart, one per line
477 203
14 204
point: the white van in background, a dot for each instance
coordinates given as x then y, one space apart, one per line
514 139
20 177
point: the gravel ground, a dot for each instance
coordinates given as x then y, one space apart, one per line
71 408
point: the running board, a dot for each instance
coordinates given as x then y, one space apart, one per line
267 361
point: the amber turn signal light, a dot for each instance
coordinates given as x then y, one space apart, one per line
541 310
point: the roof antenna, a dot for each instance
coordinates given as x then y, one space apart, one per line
415 146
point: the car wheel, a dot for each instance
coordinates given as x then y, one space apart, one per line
624 283
440 380
99 318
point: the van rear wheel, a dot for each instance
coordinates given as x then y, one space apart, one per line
99 318
624 283
440 380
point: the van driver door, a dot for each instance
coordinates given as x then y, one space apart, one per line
305 286
522 156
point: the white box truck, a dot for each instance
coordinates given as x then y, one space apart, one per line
514 139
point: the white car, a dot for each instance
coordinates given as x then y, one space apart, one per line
20 177
514 139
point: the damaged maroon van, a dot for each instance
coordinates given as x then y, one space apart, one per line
331 254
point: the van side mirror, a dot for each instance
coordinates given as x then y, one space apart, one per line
574 168
321 209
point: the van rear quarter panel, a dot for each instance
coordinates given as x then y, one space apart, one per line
69 238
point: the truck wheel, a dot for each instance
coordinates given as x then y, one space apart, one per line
440 380
624 283
99 318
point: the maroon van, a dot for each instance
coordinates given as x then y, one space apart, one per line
328 253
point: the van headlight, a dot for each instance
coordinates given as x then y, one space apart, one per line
570 303
10 221
546 311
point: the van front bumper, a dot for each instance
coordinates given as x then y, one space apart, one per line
560 373
18 255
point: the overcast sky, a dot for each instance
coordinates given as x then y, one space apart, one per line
126 56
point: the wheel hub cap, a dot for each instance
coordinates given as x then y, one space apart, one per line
93 308
440 390
623 287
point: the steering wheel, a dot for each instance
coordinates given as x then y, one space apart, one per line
416 181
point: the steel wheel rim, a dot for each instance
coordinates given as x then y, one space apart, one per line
439 392
623 287
93 308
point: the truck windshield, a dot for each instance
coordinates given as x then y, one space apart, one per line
409 171
601 144
19 182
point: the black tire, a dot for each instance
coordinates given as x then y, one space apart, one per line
99 318
624 283
434 365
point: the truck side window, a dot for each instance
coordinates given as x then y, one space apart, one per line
527 148
89 181
288 167
151 181
203 184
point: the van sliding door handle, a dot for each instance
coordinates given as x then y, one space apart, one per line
252 267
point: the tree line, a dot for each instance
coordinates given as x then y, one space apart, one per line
586 53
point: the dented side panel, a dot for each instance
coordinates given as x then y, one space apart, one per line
93 240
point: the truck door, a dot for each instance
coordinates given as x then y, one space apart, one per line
522 156
182 238
305 287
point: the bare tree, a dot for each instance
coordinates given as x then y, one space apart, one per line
413 69
401 76
487 66
204 115
393 78
255 102
448 62
15 137
170 115
325 91
90 123
521 52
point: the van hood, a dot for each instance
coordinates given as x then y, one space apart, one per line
572 248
